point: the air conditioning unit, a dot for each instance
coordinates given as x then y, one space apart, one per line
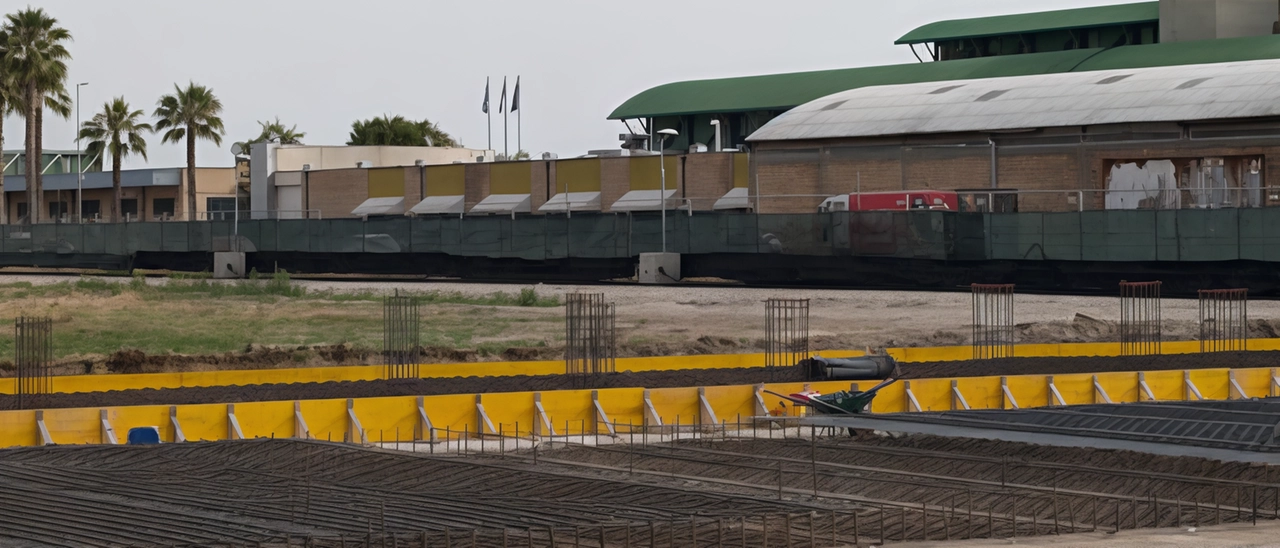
364 164
549 156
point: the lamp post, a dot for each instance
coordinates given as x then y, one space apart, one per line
662 168
79 160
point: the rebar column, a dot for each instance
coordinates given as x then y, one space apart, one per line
992 320
401 336
786 332
1140 325
1224 320
590 334
33 357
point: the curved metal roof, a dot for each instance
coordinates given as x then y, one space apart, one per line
1077 18
1162 94
784 91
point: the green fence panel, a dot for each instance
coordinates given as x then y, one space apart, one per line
451 235
44 238
1118 235
387 235
1017 236
144 237
70 239
529 238
293 235
93 238
1208 235
347 236
1260 234
200 236
805 234
173 237
605 236
556 242
1167 235
424 234
481 236
1061 239
115 239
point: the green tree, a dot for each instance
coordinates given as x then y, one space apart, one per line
390 130
190 113
7 93
519 155
118 131
35 62
273 132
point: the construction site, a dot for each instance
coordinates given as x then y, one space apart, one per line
1140 430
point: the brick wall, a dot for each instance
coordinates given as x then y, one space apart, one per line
335 192
707 177
538 185
412 187
615 180
476 184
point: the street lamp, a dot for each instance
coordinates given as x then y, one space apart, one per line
79 160
662 167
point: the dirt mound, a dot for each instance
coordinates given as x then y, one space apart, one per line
1099 364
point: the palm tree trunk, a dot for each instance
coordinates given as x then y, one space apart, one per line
191 175
115 188
39 160
4 204
30 142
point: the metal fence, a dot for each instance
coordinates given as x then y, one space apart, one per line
401 336
33 357
1140 327
590 341
1224 320
786 332
992 320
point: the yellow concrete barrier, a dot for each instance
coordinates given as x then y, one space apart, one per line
572 412
104 383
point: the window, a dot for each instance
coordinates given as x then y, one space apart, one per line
162 207
220 209
129 208
22 211
57 209
90 209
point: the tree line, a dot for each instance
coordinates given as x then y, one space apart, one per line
33 79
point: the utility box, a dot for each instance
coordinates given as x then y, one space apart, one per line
659 268
228 265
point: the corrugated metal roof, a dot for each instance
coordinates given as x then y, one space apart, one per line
1078 18
1162 94
785 91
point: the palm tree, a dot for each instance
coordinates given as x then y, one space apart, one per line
35 61
117 131
272 132
398 131
191 113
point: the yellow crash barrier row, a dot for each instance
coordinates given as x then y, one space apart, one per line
573 412
104 383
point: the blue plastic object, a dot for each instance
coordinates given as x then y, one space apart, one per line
144 435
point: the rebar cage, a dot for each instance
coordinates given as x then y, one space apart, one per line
401 336
1224 320
992 320
1140 325
590 344
786 332
33 356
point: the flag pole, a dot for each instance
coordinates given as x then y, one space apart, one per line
488 112
506 112
519 118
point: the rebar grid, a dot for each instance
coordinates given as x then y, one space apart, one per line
33 356
590 340
401 336
786 332
992 320
1140 325
1224 320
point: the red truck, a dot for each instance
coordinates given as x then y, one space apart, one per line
893 201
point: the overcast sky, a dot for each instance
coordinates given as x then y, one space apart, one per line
321 64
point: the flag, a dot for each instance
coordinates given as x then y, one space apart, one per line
502 103
485 107
515 96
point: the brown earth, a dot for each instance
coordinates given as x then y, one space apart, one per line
648 379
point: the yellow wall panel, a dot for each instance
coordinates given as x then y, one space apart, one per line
511 178
448 180
581 175
387 182
741 170
646 175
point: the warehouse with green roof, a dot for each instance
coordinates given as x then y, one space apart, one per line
1146 34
